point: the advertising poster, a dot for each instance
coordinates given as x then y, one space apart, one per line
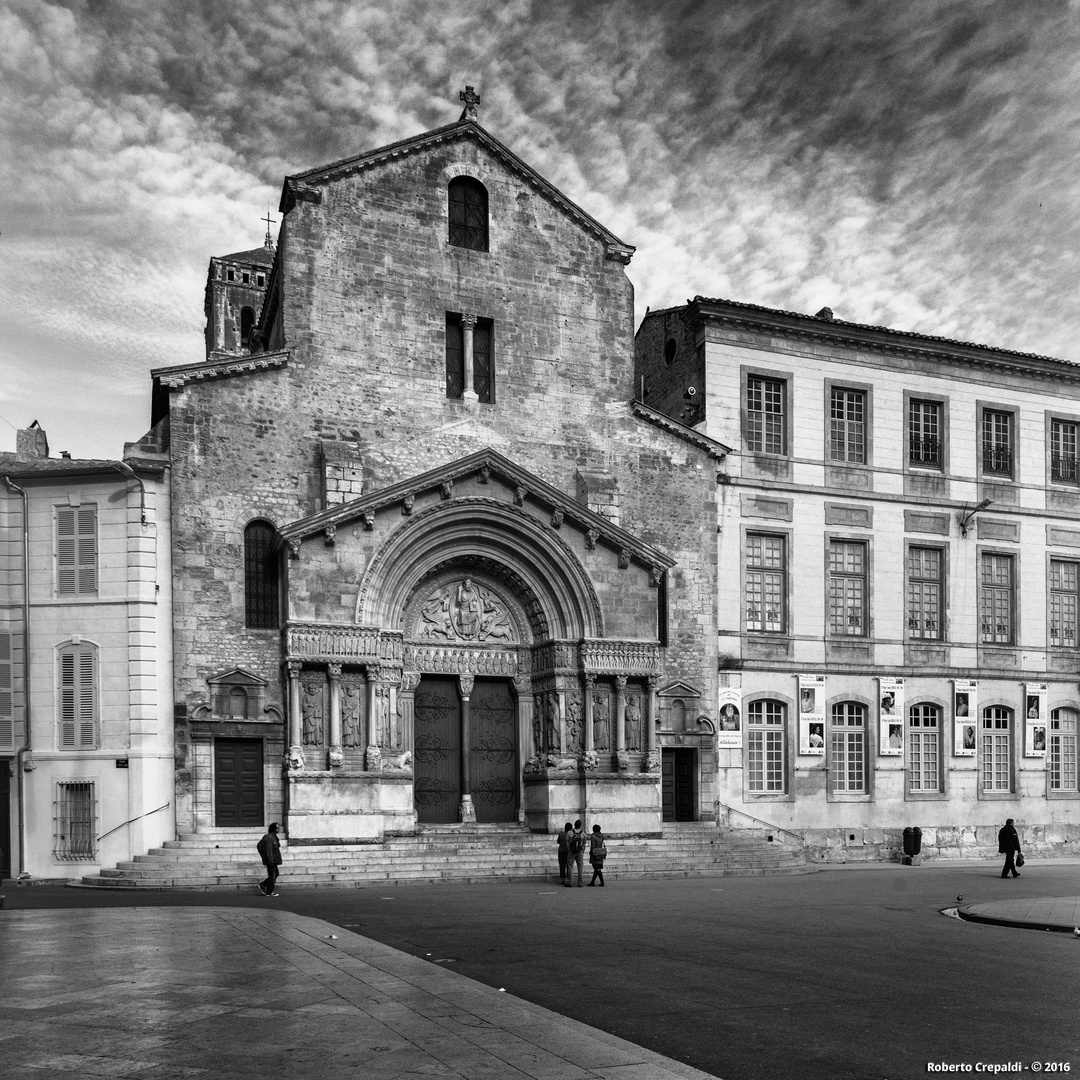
812 715
891 717
965 712
729 722
1035 696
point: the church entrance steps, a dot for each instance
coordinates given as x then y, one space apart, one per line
226 859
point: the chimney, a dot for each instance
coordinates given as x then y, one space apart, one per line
31 444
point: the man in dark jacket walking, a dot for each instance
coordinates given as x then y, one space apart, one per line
1009 846
270 853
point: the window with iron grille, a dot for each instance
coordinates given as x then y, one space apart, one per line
74 828
924 749
925 573
468 208
1063 452
996 599
847 748
262 581
847 588
766 741
997 459
76 551
1064 603
78 697
766 583
996 766
1062 751
847 426
765 415
7 696
924 434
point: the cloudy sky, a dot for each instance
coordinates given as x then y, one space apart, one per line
912 163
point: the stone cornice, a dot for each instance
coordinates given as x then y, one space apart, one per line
176 378
711 447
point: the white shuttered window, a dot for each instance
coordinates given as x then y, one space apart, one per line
76 551
7 698
78 697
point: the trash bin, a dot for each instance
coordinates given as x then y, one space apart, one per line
912 841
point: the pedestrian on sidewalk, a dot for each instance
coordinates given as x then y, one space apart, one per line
270 853
1009 846
597 855
577 854
564 854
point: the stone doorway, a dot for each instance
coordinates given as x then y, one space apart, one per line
238 782
679 772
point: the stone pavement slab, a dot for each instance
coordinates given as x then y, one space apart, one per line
1035 913
207 993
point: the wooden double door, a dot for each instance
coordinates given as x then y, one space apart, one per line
450 756
238 782
678 783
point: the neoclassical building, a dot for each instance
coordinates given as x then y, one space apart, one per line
433 563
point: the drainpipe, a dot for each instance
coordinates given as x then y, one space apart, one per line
24 759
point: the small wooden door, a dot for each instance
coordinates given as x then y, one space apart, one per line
238 782
437 750
493 750
677 784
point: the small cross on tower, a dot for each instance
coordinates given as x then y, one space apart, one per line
268 243
471 99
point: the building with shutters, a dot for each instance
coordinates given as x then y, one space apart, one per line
86 758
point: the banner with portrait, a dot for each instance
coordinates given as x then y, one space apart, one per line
729 720
812 715
965 716
1035 696
891 717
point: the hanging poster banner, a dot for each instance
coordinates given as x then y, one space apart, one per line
891 717
965 713
1035 720
812 715
729 724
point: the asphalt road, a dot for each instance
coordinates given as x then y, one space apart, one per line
847 974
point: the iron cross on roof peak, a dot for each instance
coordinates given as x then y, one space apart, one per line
268 243
471 99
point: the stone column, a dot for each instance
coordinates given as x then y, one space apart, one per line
619 720
410 680
467 812
337 755
376 700
296 748
590 688
523 687
652 759
468 325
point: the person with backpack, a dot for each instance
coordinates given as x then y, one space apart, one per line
269 849
564 854
597 855
577 854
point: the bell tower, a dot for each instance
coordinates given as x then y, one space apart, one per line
235 290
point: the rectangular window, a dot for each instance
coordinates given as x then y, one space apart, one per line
1063 452
925 568
1064 603
847 426
483 360
78 697
847 746
997 457
996 599
483 370
7 697
455 358
765 415
1063 772
76 550
765 747
996 750
766 583
74 830
924 434
847 588
924 749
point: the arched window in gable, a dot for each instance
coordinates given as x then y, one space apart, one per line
262 577
468 206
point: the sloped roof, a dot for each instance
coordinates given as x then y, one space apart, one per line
31 468
258 255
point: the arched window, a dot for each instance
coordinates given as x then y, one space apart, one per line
261 577
766 742
78 697
996 749
847 747
1063 732
468 206
247 323
924 749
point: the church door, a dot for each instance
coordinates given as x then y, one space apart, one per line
677 784
493 750
238 782
437 750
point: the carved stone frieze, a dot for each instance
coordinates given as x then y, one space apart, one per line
556 656
359 643
439 660
465 611
621 657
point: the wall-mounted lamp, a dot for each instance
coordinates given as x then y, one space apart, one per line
965 518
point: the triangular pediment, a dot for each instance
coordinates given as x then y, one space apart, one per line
485 465
236 677
679 690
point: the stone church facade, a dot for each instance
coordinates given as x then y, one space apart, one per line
433 563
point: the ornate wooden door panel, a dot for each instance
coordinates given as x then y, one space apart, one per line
493 752
437 750
238 782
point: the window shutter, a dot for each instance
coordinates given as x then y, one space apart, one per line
78 698
87 693
67 700
65 552
87 550
7 706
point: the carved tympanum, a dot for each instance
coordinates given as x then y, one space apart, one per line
465 611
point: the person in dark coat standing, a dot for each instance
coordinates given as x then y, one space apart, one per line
577 855
270 853
1009 846
597 855
564 854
